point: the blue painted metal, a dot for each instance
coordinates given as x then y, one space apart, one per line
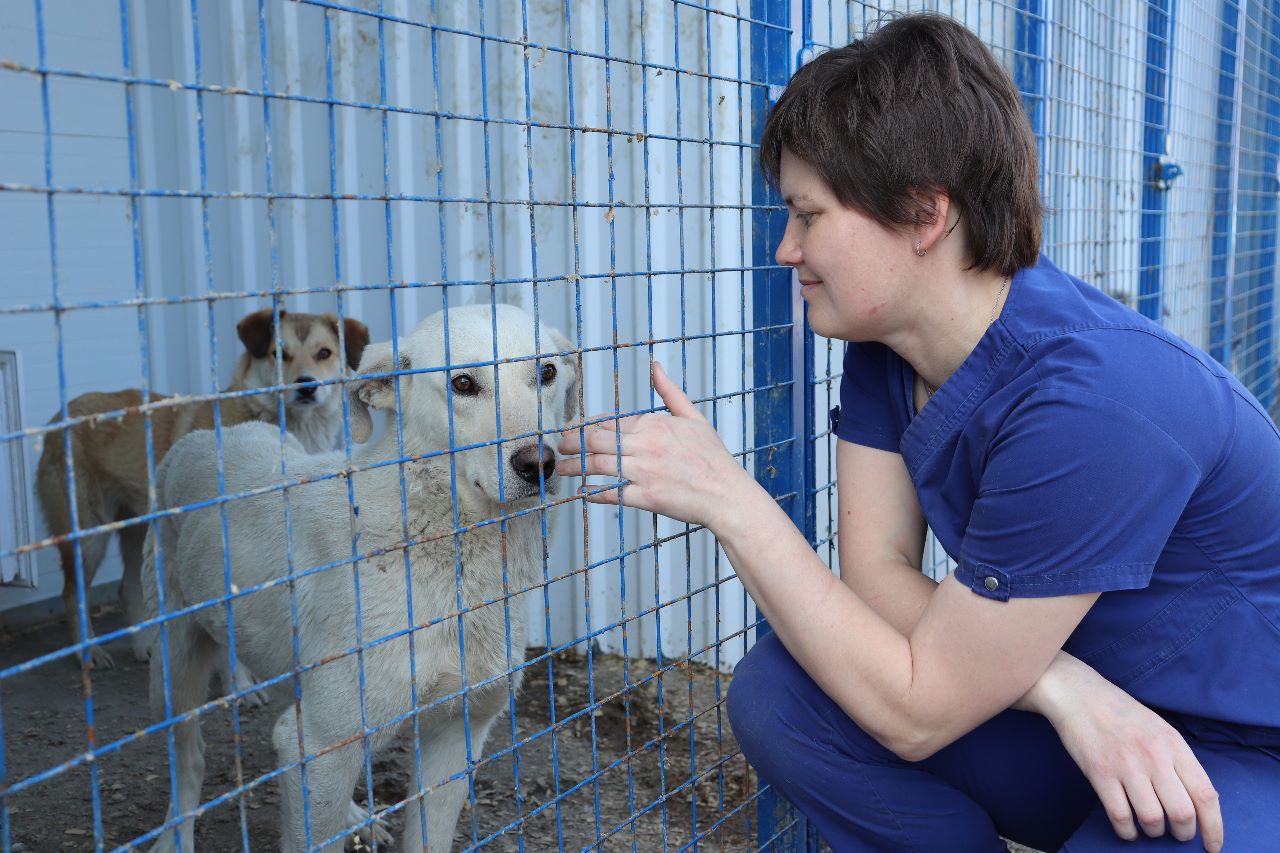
1155 132
1256 254
1030 74
780 470
1226 161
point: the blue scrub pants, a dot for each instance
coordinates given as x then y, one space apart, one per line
1011 776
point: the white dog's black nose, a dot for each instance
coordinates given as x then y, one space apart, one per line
532 459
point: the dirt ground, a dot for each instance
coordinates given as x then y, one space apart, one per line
645 803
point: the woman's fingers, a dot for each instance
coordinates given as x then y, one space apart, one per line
1186 799
1177 805
1146 805
607 494
1116 804
677 402
1204 798
603 436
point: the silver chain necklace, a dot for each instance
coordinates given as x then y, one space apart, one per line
930 390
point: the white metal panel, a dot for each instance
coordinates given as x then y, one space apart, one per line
89 147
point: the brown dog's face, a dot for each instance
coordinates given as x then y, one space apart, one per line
310 351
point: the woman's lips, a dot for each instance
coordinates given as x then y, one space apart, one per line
806 286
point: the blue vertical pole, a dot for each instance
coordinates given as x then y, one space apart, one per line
1029 72
1226 161
778 466
1256 255
1155 130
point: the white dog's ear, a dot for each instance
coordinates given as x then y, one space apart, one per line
371 389
568 368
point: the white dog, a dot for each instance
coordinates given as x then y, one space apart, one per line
518 400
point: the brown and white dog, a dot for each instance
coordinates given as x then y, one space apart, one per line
110 456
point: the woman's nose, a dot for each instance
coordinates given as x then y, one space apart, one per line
788 252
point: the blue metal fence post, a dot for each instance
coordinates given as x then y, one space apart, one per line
1256 253
1226 167
1155 131
779 422
1029 74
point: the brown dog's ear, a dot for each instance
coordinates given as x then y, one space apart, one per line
370 391
355 336
256 331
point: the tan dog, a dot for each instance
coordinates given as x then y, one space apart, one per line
110 455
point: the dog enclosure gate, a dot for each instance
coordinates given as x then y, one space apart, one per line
168 168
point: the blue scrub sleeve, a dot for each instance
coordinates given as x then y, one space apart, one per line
1079 494
866 413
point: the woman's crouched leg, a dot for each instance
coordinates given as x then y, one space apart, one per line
1009 776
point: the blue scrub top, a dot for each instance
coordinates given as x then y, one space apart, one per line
1082 448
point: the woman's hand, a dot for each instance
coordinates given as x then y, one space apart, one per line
673 464
1136 762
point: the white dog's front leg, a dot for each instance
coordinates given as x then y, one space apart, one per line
190 656
443 746
309 818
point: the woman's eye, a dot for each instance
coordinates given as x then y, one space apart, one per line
464 384
804 218
324 353
548 373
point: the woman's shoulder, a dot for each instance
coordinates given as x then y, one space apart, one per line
1073 333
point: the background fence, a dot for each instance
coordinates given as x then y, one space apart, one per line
166 168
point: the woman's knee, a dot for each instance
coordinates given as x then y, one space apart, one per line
769 694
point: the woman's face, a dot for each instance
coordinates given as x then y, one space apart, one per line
850 267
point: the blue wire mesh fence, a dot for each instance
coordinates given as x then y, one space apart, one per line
179 166
170 168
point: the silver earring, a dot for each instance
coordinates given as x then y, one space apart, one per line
919 251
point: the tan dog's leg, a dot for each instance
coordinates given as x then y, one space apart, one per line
92 550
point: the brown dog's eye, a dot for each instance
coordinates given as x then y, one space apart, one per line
464 384
324 353
548 373
287 357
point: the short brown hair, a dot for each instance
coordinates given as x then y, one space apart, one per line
920 104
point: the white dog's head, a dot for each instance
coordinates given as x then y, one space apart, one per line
501 417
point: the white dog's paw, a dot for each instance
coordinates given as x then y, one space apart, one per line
99 658
141 644
367 834
243 682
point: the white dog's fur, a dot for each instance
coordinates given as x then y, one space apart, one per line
488 559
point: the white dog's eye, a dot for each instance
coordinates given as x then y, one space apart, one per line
548 373
464 384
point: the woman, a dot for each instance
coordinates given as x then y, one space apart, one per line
1110 493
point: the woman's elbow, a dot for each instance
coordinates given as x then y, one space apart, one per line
912 749
916 742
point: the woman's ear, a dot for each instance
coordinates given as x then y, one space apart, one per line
933 214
